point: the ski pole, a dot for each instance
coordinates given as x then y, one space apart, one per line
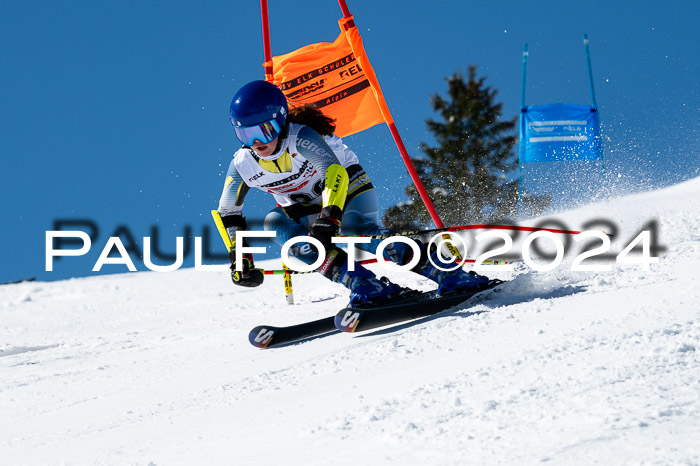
288 292
372 261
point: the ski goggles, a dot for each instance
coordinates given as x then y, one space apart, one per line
264 132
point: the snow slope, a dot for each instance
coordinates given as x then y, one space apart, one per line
563 367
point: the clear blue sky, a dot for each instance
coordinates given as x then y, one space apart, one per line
117 112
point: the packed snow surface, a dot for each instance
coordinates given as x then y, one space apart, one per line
560 366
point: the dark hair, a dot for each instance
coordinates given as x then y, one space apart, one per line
309 115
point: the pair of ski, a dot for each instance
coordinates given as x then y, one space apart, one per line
410 307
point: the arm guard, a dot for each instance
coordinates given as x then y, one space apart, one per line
231 201
315 149
335 191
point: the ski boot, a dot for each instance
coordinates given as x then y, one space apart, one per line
448 280
366 289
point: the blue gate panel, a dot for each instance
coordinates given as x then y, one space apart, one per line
557 132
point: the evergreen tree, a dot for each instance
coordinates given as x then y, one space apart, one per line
469 175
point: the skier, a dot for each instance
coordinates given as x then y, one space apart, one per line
320 189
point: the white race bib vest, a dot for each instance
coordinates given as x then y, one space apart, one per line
304 183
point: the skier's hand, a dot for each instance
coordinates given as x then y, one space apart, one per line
323 229
248 276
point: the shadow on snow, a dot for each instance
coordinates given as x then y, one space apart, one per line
508 294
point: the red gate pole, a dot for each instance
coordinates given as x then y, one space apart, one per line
267 50
397 139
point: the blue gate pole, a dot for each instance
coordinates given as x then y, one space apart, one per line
593 101
522 109
522 93
590 71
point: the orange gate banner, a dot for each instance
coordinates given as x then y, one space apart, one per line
330 76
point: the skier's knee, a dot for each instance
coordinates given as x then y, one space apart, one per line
286 228
274 219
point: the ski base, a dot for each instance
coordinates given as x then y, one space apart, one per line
415 307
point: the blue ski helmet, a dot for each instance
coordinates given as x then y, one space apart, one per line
258 111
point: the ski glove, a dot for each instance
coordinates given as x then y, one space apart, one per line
323 229
248 276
